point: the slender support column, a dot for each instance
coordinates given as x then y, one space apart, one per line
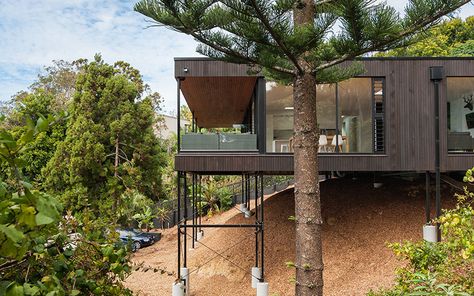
437 158
437 75
179 224
262 246
193 188
185 220
200 201
178 114
428 198
256 220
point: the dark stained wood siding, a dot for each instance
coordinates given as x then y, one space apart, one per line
203 67
409 119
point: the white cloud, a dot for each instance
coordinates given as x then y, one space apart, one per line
33 33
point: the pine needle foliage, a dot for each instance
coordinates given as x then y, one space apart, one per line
262 32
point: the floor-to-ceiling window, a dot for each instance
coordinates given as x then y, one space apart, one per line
350 116
460 114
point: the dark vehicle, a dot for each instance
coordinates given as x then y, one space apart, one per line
138 239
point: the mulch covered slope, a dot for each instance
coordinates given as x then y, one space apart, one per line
358 222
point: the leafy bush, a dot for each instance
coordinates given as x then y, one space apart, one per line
36 256
225 198
444 268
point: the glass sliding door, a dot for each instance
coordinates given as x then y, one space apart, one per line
326 111
350 116
355 116
460 114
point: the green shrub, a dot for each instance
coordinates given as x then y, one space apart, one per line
444 268
44 254
225 198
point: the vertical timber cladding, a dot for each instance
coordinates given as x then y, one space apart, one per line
409 121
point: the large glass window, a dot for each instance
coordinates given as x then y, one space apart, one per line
350 116
460 113
355 115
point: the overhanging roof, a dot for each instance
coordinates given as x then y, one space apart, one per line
218 101
218 93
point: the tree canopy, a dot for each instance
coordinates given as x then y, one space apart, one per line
454 37
110 144
302 42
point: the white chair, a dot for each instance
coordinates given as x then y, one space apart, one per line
339 142
323 142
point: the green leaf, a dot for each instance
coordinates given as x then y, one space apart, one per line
27 215
3 189
12 233
41 124
15 290
42 219
30 289
75 292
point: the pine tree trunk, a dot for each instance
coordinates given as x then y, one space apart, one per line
309 259
309 256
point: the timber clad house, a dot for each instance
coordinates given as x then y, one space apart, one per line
400 115
382 120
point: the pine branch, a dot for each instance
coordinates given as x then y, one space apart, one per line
228 51
275 36
383 44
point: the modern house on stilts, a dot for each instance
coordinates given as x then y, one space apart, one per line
400 115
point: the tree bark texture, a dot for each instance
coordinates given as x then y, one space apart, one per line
309 259
309 256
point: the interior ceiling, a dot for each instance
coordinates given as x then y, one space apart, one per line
218 101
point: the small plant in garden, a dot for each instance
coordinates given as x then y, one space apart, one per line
145 218
162 213
444 268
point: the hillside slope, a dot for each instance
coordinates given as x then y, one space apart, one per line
359 220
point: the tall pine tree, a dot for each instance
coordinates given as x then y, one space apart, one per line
110 144
302 41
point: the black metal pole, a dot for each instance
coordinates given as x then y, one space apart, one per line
248 191
193 207
256 220
179 224
337 118
428 198
185 219
200 201
178 112
437 157
242 190
262 246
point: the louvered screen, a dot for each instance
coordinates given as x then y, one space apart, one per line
378 89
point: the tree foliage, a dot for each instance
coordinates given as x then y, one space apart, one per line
36 256
110 144
454 37
302 42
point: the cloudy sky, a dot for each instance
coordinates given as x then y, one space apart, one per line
33 33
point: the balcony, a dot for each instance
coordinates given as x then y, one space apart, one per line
242 142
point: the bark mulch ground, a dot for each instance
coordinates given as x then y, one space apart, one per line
359 221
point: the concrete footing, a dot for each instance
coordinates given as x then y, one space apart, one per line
200 234
256 274
185 278
178 289
430 233
262 289
247 213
